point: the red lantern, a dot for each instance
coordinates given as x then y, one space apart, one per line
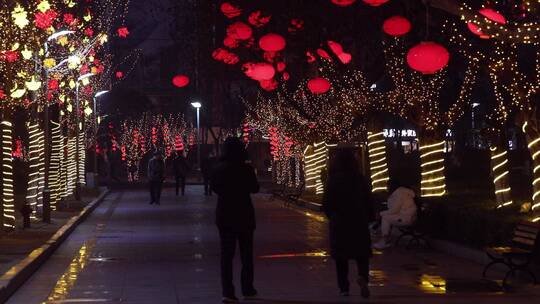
343 3
119 74
490 14
239 31
375 2
230 42
269 85
286 76
319 85
272 42
396 26
428 57
345 58
324 54
296 25
310 57
230 11
281 66
259 71
180 81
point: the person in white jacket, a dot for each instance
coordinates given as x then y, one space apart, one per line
401 212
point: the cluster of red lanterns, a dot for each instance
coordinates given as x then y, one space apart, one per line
245 133
337 48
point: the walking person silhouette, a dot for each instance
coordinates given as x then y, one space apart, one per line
233 181
347 205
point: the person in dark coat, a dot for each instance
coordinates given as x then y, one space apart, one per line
181 170
156 175
233 181
207 167
347 205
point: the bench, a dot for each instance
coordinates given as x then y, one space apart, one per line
415 231
524 247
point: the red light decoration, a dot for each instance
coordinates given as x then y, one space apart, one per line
230 11
45 19
337 48
286 76
180 81
397 26
428 57
272 42
119 74
490 14
281 66
259 71
239 31
178 143
225 56
319 85
310 57
375 2
268 85
231 42
257 19
53 85
343 3
345 58
324 54
123 32
296 25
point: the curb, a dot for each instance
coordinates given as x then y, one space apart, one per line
22 271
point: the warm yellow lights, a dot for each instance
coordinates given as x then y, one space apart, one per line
432 163
377 161
315 158
8 202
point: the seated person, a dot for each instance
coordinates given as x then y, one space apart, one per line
401 212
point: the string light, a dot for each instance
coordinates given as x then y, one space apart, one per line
315 159
499 167
8 202
432 164
377 161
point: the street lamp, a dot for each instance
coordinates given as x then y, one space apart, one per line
197 105
77 144
98 94
46 211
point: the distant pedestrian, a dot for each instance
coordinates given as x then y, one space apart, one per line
207 167
156 175
181 170
347 205
233 181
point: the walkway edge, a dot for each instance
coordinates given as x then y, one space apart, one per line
22 271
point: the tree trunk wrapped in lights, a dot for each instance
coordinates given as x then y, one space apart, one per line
55 176
531 129
378 165
8 201
34 154
499 170
433 182
315 158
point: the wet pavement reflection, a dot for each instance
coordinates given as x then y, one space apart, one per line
132 252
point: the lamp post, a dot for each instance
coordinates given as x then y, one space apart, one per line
77 144
46 212
98 94
197 105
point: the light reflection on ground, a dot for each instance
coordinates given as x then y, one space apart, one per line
433 284
317 254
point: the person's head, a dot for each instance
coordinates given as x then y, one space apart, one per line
233 150
343 162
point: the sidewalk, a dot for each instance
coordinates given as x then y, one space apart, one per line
21 244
